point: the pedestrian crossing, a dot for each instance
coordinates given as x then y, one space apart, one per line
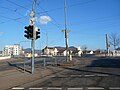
80 75
60 88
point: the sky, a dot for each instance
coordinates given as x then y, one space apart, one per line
87 20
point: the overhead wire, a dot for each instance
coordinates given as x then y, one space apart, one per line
102 20
81 3
17 4
68 6
15 11
14 19
56 24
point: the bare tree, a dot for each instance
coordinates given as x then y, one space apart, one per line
114 40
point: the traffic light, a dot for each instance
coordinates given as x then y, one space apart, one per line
31 31
37 32
28 32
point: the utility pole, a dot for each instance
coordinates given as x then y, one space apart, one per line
32 22
66 31
107 44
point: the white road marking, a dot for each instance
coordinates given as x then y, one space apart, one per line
52 76
35 88
89 75
95 88
75 88
102 75
75 75
54 88
18 88
115 88
62 76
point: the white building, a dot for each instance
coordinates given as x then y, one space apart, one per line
50 51
116 52
10 50
62 51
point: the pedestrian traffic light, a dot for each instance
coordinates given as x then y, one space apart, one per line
28 32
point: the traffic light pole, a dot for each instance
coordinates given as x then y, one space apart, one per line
33 55
32 15
32 33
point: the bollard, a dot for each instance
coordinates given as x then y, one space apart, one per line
44 64
55 62
24 65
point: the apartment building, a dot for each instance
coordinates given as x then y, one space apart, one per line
10 50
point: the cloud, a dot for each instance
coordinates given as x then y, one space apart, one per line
44 19
27 13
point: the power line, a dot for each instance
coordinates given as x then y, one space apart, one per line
69 6
17 4
81 3
102 20
14 19
56 24
15 10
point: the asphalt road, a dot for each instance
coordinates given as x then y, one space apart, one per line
91 73
98 74
82 79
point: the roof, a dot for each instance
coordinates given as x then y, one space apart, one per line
75 51
49 47
61 51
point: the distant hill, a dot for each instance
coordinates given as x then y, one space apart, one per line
28 50
71 47
60 47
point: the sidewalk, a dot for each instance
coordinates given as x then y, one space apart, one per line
15 78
